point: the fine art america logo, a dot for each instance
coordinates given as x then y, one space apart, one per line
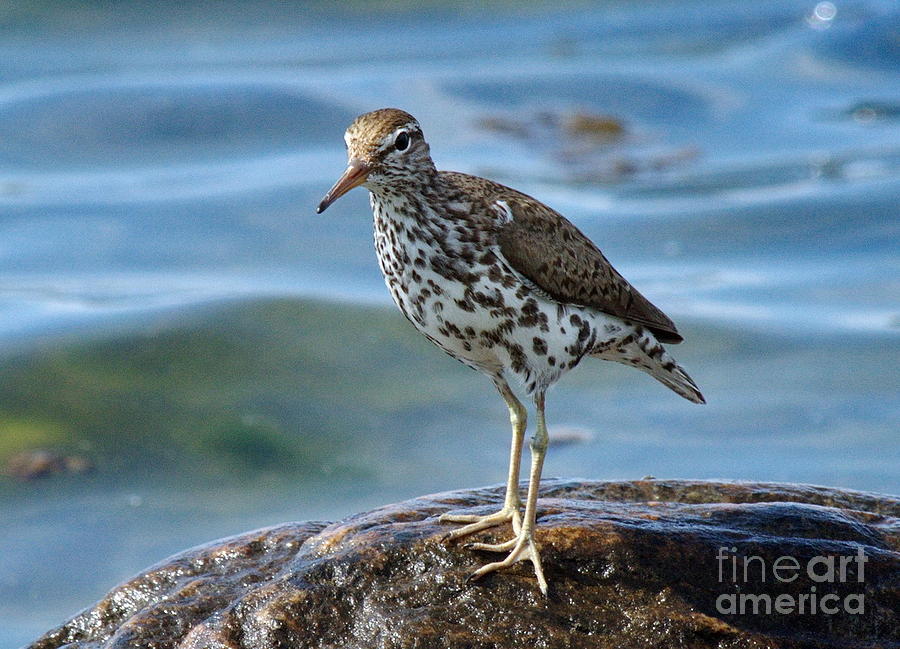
821 572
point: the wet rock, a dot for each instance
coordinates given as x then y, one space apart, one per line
648 563
40 463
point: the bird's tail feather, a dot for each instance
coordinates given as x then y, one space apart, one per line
679 382
646 353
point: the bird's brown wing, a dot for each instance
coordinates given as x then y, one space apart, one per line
548 250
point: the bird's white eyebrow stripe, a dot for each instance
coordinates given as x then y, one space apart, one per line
504 210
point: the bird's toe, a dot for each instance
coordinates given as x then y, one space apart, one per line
524 548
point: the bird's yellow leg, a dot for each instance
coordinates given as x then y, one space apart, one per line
524 545
518 417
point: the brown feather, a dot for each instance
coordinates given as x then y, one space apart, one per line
548 250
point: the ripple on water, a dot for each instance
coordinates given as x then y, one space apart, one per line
636 98
110 126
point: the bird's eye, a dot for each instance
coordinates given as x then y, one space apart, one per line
402 141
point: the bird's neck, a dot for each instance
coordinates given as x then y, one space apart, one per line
430 212
423 200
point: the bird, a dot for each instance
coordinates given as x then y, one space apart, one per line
504 284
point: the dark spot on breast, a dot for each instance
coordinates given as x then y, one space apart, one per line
599 348
539 345
531 316
518 358
489 338
453 329
452 270
486 300
584 332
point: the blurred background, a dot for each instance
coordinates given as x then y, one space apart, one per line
187 351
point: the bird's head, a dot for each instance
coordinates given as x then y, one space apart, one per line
384 148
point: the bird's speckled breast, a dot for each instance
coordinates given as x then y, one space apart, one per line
449 280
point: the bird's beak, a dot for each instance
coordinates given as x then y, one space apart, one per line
355 175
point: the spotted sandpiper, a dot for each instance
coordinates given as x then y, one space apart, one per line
505 285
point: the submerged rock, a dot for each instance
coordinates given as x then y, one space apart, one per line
590 147
648 563
40 463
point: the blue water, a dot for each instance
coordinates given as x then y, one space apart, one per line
156 159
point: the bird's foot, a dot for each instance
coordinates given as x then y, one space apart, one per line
509 514
524 547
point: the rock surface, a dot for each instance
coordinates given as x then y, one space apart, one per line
630 564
